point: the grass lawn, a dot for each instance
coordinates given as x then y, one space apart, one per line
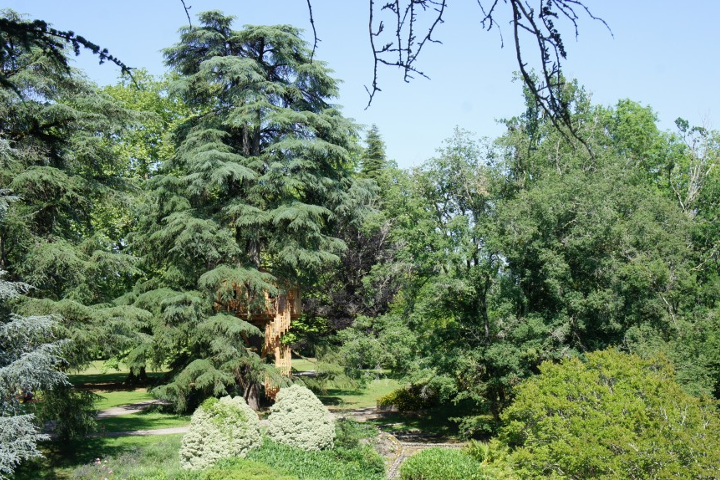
345 399
122 397
148 420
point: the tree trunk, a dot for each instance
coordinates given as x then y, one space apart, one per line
139 379
252 396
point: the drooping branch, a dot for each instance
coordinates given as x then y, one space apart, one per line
16 33
549 46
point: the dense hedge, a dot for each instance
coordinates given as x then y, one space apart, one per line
410 399
610 415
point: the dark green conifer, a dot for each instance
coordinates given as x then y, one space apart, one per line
247 203
373 159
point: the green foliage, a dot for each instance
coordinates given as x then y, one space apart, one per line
336 464
350 433
443 464
219 429
72 411
300 420
245 470
413 398
29 357
364 344
246 205
610 415
373 160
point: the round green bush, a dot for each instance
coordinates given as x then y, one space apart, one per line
442 464
610 415
219 429
300 420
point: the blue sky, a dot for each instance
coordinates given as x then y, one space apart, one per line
665 54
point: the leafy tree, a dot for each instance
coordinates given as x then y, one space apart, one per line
247 203
610 415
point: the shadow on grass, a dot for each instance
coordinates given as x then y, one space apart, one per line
147 420
334 396
435 422
112 381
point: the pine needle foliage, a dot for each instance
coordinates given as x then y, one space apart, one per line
374 159
29 354
247 204
57 159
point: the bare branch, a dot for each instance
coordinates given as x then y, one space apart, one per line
187 12
312 24
403 50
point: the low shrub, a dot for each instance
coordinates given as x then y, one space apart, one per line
351 433
364 456
610 412
443 464
336 464
413 398
245 470
219 429
300 420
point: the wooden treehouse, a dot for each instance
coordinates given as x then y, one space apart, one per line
273 316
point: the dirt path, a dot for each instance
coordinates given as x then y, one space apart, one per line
158 431
129 408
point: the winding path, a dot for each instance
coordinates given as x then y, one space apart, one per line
404 449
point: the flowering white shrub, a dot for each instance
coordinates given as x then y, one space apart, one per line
300 420
219 429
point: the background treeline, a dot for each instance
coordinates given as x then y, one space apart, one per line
142 213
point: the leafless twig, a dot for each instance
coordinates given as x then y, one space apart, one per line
187 12
403 50
312 24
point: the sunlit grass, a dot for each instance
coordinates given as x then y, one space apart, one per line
148 420
363 397
122 397
303 365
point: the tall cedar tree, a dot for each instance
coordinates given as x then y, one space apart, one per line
247 204
57 157
373 159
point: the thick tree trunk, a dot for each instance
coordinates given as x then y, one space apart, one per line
252 396
139 379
